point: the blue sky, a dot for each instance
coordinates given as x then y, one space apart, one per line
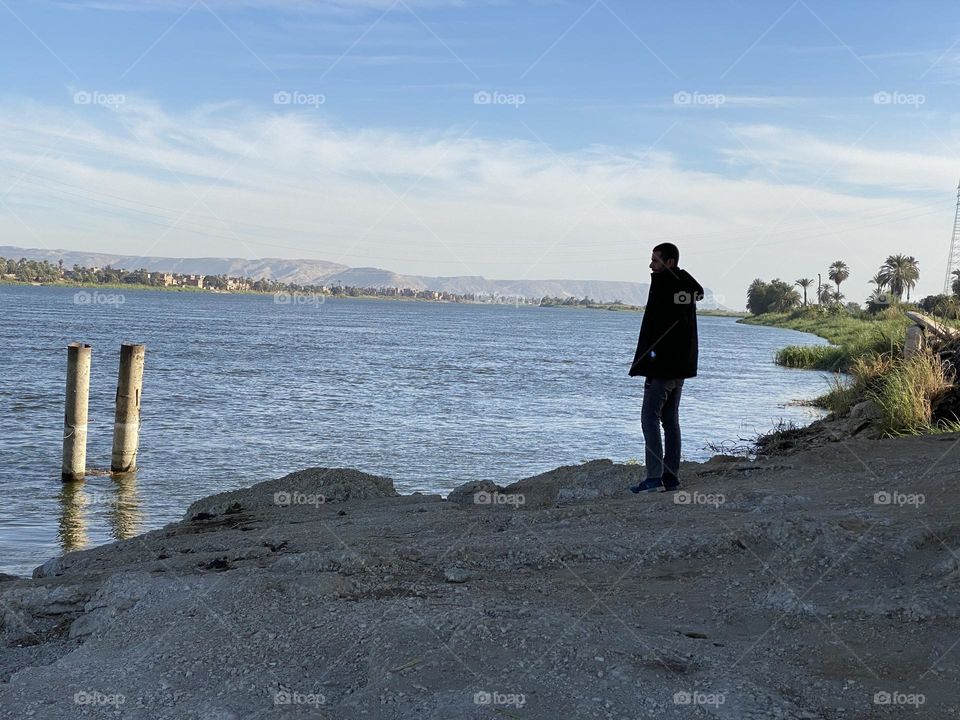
509 139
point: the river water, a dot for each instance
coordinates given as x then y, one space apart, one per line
240 388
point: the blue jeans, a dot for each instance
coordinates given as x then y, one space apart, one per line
661 406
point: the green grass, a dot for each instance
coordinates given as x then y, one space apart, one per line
850 337
812 357
868 350
905 392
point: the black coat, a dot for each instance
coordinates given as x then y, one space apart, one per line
667 347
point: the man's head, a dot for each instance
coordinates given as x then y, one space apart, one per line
665 257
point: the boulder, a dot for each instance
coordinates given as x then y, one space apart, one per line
575 483
473 493
308 488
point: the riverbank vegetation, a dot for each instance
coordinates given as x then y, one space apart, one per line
852 336
905 395
866 353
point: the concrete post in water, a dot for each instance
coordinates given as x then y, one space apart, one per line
126 424
74 463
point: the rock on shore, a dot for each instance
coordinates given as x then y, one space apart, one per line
824 584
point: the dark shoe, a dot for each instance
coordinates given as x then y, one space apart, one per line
671 483
648 485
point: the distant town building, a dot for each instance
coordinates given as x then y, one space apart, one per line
237 284
193 281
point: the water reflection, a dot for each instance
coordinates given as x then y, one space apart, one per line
73 526
120 506
125 516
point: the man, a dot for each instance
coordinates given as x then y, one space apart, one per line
666 355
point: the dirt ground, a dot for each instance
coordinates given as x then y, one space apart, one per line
820 584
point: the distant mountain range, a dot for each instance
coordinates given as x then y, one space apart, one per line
321 272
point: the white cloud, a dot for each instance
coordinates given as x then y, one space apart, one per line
782 150
227 180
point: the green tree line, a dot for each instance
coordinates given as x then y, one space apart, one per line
893 282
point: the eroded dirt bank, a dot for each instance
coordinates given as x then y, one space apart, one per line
779 588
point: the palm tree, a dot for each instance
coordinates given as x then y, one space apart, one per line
900 274
839 271
804 283
913 265
823 294
879 280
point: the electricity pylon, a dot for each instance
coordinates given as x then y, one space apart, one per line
953 262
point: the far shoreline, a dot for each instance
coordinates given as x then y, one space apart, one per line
136 287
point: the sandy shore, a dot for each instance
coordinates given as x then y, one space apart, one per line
778 588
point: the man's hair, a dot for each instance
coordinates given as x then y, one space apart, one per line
668 251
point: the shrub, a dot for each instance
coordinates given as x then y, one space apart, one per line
865 378
905 392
